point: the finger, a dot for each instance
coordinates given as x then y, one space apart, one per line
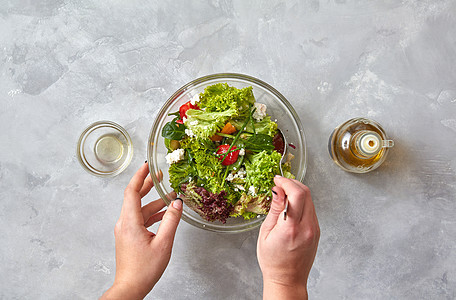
277 206
295 194
309 207
137 181
168 226
152 208
132 200
147 186
154 219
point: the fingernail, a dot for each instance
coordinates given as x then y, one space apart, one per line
145 162
177 203
274 192
278 176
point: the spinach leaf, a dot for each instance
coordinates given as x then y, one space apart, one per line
167 145
173 131
259 142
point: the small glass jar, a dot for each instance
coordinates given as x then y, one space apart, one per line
359 145
104 149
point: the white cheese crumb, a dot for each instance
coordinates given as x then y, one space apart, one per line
240 187
184 119
230 177
192 123
189 132
242 151
241 173
252 190
194 99
175 156
260 111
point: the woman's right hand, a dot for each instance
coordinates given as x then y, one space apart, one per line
286 248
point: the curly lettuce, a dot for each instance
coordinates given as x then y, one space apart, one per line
194 144
249 206
210 170
179 173
261 169
221 97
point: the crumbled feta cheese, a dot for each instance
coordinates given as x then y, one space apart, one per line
242 151
193 123
175 156
252 190
241 173
240 187
189 132
184 119
230 177
194 99
260 111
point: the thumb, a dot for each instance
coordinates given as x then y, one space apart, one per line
171 218
277 206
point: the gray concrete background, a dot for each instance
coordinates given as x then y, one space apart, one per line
65 64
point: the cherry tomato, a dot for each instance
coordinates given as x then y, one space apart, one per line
183 109
231 157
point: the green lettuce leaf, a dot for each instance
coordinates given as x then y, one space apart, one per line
249 206
261 169
194 144
180 172
221 97
210 170
204 124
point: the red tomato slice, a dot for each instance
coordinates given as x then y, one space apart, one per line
183 109
231 157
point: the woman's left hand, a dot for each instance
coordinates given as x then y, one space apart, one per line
142 256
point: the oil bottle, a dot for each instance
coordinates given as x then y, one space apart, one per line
359 145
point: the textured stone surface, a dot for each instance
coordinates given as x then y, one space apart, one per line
64 64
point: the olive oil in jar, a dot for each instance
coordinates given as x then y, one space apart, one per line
108 149
359 145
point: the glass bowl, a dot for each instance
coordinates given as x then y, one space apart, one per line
104 149
280 111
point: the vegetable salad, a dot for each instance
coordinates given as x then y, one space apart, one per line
224 151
